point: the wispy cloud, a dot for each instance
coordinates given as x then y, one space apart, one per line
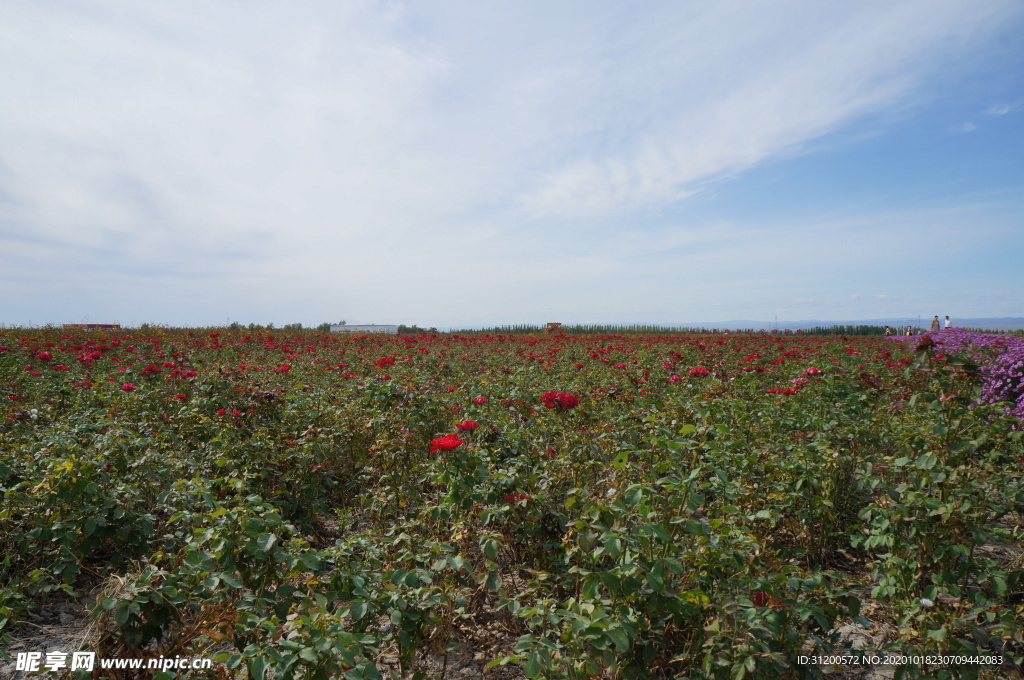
1001 109
754 104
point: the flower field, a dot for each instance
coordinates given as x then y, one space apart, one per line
308 505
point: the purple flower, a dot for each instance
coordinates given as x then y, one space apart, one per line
1000 360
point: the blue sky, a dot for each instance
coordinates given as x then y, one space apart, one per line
461 163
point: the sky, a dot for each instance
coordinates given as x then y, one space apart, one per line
461 164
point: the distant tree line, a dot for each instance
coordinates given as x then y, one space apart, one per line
324 327
650 329
860 330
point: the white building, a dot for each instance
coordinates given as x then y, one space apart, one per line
365 328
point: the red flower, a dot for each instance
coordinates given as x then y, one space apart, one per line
515 496
480 400
467 425
128 387
151 369
44 356
236 413
763 599
386 361
181 396
700 370
563 400
283 368
813 371
445 443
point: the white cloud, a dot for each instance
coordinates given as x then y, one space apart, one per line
401 159
967 127
1002 109
775 84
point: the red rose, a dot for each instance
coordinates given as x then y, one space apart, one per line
562 400
480 400
445 443
467 425
128 387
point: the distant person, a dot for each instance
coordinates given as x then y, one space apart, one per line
949 324
888 331
909 328
935 323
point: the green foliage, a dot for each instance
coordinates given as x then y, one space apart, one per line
277 492
414 329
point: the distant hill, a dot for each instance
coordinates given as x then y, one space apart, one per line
995 324
992 324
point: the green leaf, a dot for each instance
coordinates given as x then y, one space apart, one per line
656 582
265 542
121 615
493 582
620 638
620 460
695 528
634 494
532 667
258 667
